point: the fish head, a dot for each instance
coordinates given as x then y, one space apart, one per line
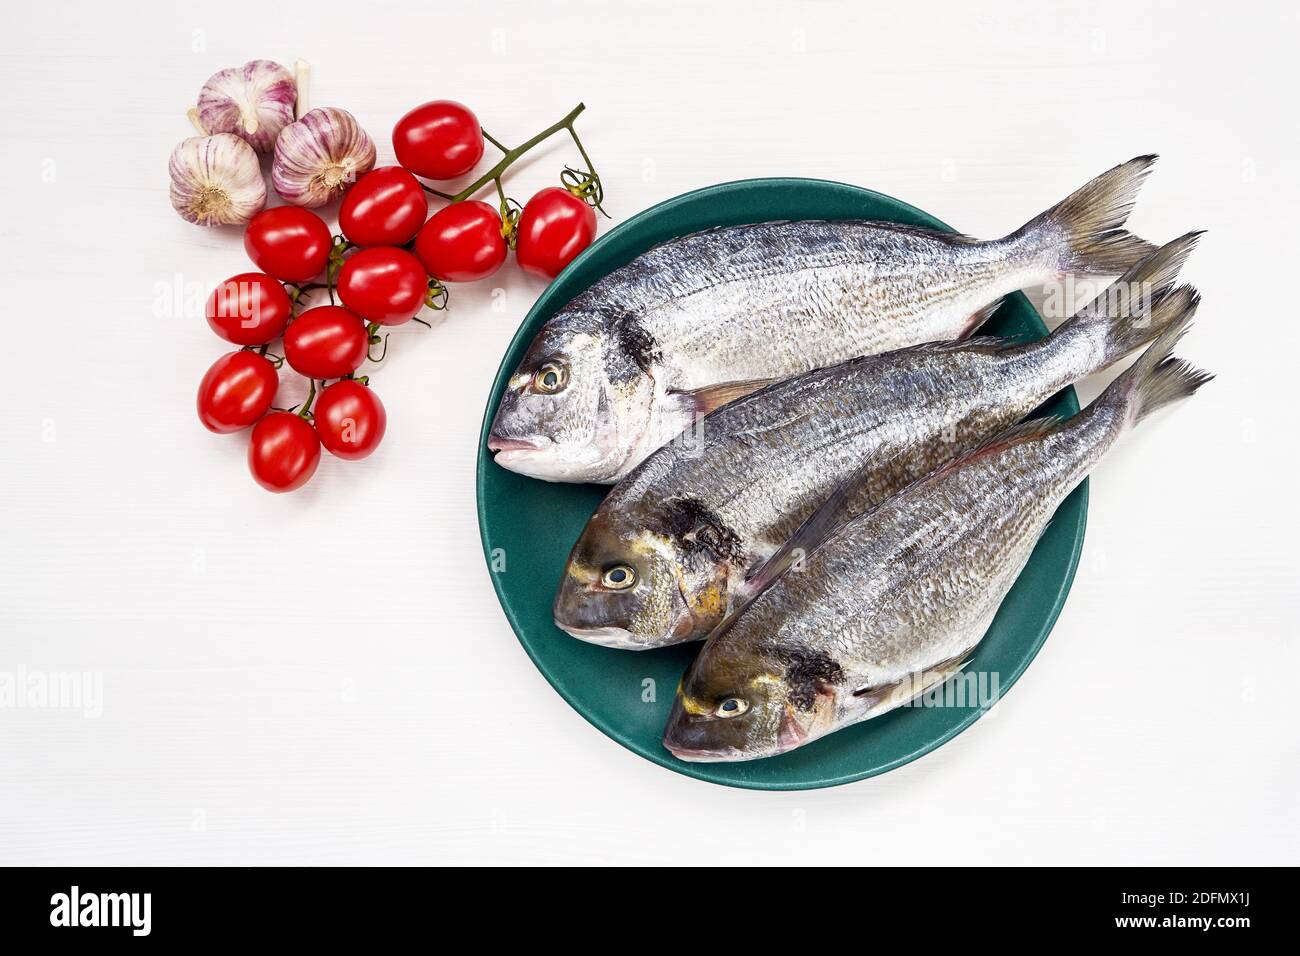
577 408
647 575
736 704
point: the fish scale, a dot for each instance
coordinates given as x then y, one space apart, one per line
852 306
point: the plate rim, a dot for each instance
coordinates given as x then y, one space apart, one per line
686 768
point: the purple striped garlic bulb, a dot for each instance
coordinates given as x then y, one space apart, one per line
216 180
319 157
254 101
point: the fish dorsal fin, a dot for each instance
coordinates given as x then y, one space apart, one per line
957 238
1025 431
993 342
712 397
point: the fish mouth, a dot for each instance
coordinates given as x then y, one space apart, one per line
618 637
534 457
498 443
697 755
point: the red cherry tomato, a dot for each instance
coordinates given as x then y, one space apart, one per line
236 391
249 309
386 207
350 420
326 342
288 242
462 242
383 285
440 140
555 226
283 452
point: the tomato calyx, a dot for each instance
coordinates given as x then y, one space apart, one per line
373 339
275 360
296 290
338 251
585 184
511 210
304 408
436 298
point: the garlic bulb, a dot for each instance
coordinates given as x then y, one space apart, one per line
216 180
319 157
254 101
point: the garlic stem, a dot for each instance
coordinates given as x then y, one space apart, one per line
254 102
302 74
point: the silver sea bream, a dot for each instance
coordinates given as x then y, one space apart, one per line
682 540
706 318
895 600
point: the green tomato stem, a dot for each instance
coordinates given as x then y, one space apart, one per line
493 140
591 167
305 411
511 155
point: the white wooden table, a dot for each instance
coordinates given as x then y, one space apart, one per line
326 677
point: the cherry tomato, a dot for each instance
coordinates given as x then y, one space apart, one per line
249 309
236 391
326 342
283 452
462 242
288 242
383 285
386 207
555 226
350 420
440 140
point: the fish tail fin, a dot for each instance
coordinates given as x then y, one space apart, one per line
1156 379
1171 381
1084 233
1135 309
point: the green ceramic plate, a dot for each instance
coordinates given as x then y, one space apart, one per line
528 527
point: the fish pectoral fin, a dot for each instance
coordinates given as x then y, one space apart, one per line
979 317
702 401
830 515
879 698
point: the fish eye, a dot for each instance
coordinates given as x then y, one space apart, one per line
619 577
550 378
732 707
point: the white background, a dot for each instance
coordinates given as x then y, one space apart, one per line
327 677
